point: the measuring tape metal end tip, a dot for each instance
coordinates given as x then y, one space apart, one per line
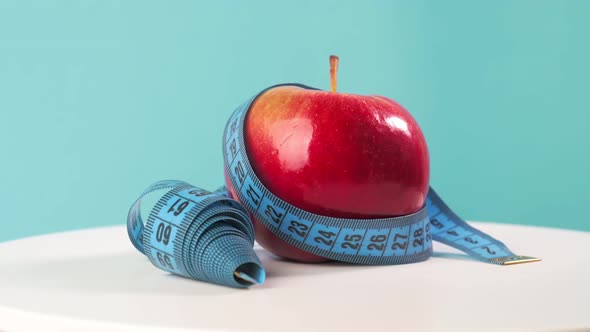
252 279
513 260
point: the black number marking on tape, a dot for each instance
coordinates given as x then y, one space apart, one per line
273 214
233 127
239 169
420 240
164 260
233 148
453 233
178 210
470 240
163 233
298 228
436 223
325 238
399 245
351 241
377 242
254 196
489 250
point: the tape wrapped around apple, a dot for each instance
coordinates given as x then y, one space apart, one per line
334 154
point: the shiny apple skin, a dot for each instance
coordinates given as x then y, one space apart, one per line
335 154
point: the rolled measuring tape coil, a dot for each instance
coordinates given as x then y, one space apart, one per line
197 234
396 240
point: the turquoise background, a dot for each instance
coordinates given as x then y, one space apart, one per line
98 99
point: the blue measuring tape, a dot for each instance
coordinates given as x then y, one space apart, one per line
404 239
209 236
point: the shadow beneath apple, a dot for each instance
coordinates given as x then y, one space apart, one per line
277 267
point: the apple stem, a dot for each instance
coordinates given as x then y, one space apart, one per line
333 72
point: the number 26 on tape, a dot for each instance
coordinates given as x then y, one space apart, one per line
377 242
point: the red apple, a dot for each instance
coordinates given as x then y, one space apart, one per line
335 154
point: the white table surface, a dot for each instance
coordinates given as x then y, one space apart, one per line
94 280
